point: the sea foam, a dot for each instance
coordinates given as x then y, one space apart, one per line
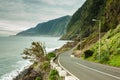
19 67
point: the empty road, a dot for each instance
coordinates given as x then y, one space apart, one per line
85 70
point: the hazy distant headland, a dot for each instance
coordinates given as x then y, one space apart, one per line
56 27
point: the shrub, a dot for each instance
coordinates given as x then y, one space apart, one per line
88 53
35 53
54 75
50 55
45 65
104 57
78 47
38 78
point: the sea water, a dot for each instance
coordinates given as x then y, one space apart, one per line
11 48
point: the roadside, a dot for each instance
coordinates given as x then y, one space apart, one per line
106 52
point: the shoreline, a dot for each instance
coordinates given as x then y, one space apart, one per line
17 71
12 69
21 74
21 71
59 50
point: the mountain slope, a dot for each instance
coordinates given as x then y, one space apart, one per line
110 48
54 27
81 24
107 50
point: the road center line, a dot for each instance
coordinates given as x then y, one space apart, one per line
98 71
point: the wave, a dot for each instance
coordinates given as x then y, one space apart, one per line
51 49
19 67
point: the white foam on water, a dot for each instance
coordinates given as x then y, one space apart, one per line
51 49
19 67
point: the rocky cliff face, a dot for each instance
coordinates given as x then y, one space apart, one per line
54 27
81 24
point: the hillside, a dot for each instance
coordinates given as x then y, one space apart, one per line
81 24
83 29
54 27
110 49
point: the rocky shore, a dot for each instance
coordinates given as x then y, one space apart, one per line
34 72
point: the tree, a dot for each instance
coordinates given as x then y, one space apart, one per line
35 53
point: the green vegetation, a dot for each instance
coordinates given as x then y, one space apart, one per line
115 61
38 78
45 66
41 62
54 27
81 24
36 53
110 48
88 53
51 55
54 75
81 27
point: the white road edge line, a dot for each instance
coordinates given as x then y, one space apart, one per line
98 71
67 70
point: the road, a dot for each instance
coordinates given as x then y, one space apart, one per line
85 70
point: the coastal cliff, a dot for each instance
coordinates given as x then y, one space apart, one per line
55 27
81 24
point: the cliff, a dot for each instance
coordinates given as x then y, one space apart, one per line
56 27
81 24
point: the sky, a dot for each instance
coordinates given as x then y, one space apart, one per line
19 15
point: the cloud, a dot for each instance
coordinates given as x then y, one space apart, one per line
63 2
30 10
19 15
6 33
15 26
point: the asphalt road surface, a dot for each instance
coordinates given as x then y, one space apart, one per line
85 70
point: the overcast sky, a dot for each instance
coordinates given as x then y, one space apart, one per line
18 15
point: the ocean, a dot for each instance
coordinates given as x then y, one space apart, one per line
11 48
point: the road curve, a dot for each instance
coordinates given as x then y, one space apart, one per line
85 70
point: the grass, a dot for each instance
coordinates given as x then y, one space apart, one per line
115 61
110 49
